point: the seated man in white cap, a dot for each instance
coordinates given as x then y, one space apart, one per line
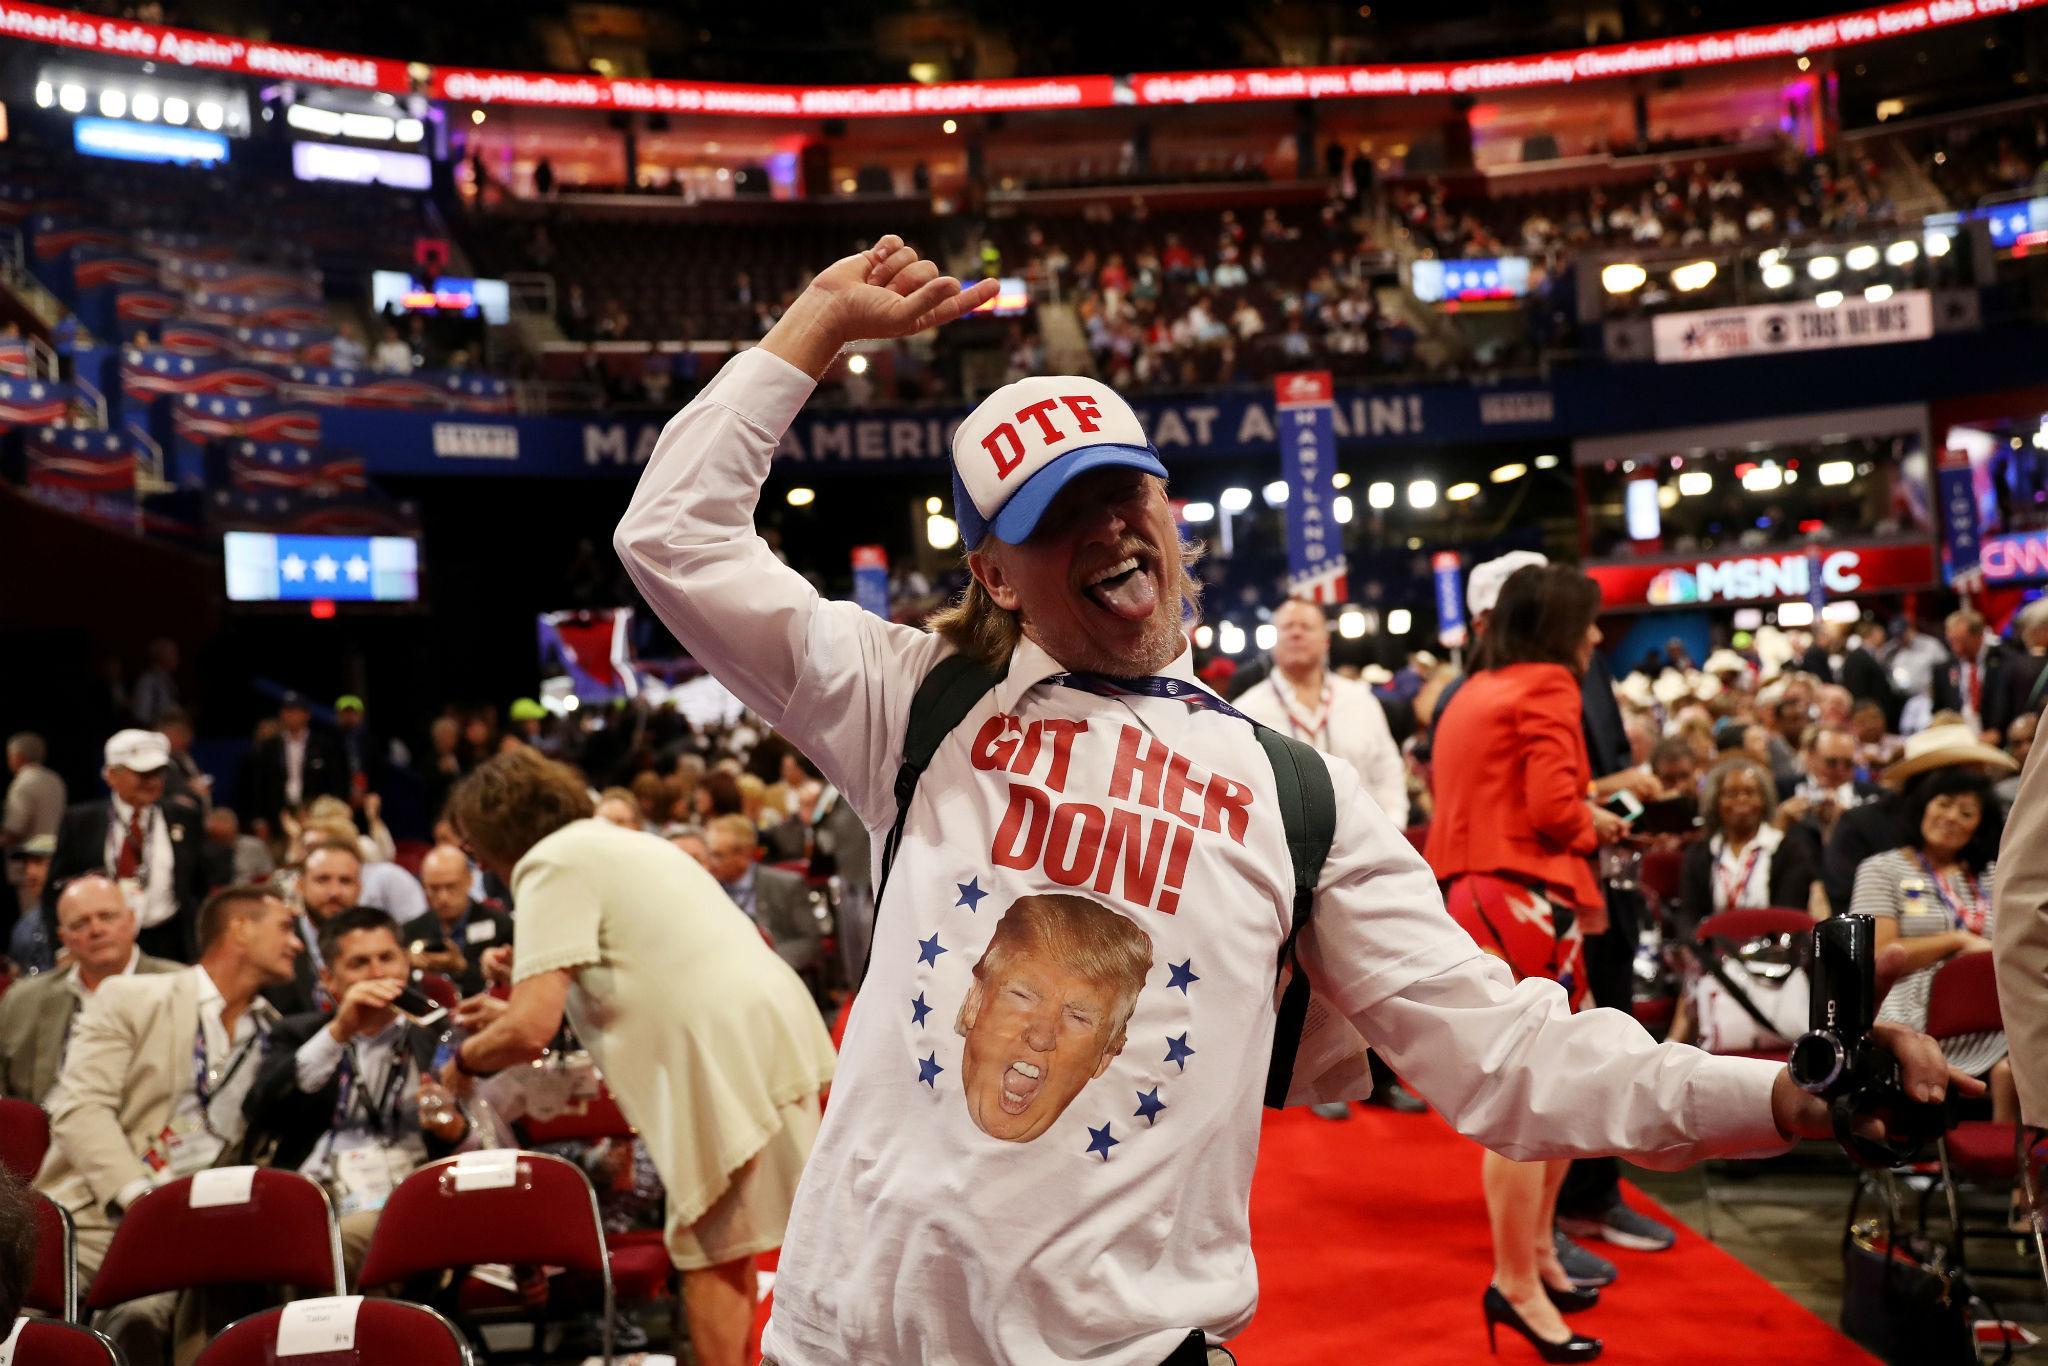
156 854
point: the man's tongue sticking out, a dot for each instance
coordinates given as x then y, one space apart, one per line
1133 596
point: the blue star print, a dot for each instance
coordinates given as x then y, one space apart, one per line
1099 1141
970 893
1183 976
1149 1105
918 1010
928 950
1178 1052
928 1070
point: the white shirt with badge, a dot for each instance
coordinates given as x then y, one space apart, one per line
1348 721
152 892
375 1141
920 1233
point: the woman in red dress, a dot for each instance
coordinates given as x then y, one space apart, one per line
1512 841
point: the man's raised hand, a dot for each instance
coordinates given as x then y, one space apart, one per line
886 291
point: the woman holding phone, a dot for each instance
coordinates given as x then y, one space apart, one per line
1512 841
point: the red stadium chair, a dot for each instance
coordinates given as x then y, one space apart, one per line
1659 875
1983 1153
387 1331
1418 835
442 1217
599 1117
24 1137
45 1342
1734 928
53 1285
439 990
283 1234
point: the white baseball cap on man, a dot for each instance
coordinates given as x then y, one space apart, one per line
139 751
1025 442
1483 584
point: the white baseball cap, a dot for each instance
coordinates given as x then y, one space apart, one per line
1483 584
1025 441
140 751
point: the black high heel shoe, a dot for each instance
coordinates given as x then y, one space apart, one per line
1573 1300
1577 1347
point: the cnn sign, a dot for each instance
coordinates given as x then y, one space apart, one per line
2015 559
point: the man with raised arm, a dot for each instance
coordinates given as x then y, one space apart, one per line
1096 767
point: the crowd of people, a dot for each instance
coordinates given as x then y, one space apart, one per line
679 908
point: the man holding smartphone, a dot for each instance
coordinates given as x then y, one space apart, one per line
348 1096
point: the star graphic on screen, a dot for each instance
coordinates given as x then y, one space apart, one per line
918 1010
970 893
1183 976
1099 1141
358 569
1178 1052
294 569
928 950
928 1070
325 568
1149 1105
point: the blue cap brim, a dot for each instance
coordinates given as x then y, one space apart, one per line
1020 514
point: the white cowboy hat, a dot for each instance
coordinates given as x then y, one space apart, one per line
1944 747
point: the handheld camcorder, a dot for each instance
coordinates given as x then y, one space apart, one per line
1838 1060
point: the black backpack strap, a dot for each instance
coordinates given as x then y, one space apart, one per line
1308 811
941 702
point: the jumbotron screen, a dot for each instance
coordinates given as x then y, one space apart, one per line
263 567
1470 280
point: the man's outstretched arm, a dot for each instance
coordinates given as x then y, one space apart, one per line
833 678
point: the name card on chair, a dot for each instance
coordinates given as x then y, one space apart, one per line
487 1169
222 1186
322 1325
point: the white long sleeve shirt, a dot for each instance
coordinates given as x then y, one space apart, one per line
1350 723
918 1236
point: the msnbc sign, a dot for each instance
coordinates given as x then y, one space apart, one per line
1844 569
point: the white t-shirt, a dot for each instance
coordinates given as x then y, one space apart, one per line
1020 1193
1348 722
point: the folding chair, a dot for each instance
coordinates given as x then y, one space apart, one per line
1733 928
45 1342
24 1137
386 1331
1961 1000
283 1233
512 1206
53 1284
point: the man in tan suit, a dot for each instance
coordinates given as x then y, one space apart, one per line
2020 937
153 1085
97 929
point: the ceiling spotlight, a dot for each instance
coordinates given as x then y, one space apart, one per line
1275 493
144 106
1937 244
1693 483
1877 294
1399 620
1823 268
176 110
113 103
1379 495
1777 275
1236 499
1903 252
856 364
1230 638
1266 636
1351 623
1422 494
942 532
1546 462
1622 277
1860 257
802 497
1694 275
71 99
1341 509
211 115
1507 474
1828 298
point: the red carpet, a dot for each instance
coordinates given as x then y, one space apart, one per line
1372 1246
